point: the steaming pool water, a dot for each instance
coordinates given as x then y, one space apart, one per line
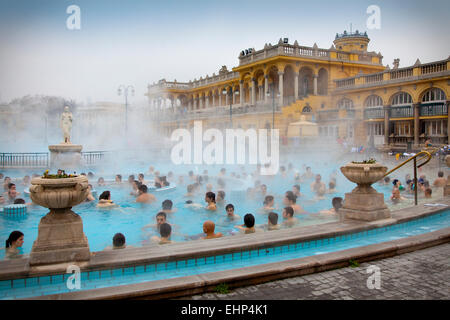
130 217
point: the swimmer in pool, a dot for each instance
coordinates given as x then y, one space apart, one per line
290 200
210 199
268 204
231 216
167 206
208 228
13 243
104 201
337 203
144 196
272 222
165 230
90 197
249 224
161 218
220 200
289 219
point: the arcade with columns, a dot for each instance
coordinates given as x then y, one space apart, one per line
345 89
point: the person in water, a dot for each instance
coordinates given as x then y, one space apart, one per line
337 203
220 197
268 204
296 190
208 228
118 242
90 197
440 182
144 196
288 216
272 221
118 179
104 201
230 213
317 184
290 200
249 224
13 245
135 185
165 230
161 218
210 199
167 206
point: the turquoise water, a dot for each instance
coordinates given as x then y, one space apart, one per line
130 217
31 287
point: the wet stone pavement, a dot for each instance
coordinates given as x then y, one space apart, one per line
423 274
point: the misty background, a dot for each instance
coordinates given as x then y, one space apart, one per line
44 65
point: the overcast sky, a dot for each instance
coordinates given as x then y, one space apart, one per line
139 42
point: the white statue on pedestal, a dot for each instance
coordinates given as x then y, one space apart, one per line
66 124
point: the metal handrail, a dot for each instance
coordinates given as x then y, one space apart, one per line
422 155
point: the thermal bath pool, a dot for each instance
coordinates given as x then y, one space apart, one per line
129 218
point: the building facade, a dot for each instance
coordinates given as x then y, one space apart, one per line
346 90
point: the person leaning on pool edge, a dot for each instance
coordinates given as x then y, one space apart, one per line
12 245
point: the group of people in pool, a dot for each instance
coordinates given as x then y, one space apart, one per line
424 188
215 201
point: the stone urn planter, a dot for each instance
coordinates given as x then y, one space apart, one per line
60 236
364 202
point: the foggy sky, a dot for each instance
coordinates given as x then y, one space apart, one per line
140 42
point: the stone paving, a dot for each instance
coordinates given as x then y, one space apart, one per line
423 274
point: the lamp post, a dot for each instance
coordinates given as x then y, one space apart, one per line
230 96
272 86
124 89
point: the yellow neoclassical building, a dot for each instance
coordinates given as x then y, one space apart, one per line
345 90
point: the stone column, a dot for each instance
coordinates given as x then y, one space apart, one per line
220 98
296 85
241 93
448 122
207 101
280 87
261 93
386 124
266 87
214 99
253 91
227 102
416 107
315 84
190 104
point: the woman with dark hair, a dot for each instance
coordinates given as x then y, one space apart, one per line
210 198
13 243
104 201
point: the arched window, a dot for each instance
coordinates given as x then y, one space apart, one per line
434 94
306 109
374 101
345 104
402 98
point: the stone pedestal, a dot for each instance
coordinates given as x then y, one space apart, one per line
65 156
365 206
364 202
60 239
60 236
